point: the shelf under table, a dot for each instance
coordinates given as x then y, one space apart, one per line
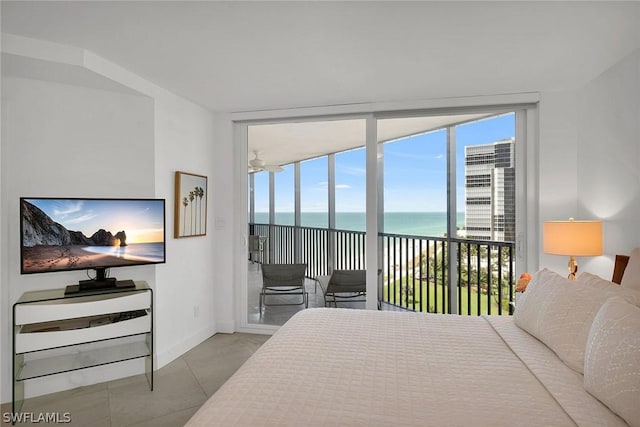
37 368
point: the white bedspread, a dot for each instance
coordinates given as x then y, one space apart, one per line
373 368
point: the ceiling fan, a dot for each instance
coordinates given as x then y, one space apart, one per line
257 164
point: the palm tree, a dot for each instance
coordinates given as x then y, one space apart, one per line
191 197
194 192
500 263
185 202
200 195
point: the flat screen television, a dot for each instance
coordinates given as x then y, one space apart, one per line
64 234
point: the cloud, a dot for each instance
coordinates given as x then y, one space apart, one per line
414 156
79 219
72 213
67 209
351 170
325 184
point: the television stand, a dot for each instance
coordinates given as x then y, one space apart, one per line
54 333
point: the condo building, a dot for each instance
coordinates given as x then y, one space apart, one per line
490 191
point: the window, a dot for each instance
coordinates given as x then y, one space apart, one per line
261 197
435 174
350 177
314 193
284 196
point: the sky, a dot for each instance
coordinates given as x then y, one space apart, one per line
415 173
142 220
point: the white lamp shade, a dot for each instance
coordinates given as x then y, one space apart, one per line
573 238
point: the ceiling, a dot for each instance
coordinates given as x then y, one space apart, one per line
284 143
248 56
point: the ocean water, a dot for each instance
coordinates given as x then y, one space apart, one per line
148 252
429 224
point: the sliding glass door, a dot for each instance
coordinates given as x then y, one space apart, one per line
306 205
443 191
450 213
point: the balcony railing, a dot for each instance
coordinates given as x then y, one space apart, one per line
415 269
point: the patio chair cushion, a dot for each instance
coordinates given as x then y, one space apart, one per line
283 279
347 281
283 275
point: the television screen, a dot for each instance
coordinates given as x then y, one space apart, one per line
75 234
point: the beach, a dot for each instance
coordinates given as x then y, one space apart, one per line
70 257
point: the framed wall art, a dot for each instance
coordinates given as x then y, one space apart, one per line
190 205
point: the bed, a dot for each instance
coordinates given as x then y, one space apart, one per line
548 365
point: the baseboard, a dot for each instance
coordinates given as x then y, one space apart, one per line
259 329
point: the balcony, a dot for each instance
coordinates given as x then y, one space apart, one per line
416 274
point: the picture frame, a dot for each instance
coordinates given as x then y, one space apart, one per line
190 219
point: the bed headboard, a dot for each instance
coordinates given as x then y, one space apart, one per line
618 268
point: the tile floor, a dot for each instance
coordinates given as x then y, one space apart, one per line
181 387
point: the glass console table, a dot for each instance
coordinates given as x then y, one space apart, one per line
54 333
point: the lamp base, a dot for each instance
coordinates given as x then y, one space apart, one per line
573 268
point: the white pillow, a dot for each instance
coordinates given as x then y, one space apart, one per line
612 359
631 276
631 295
589 279
559 312
530 303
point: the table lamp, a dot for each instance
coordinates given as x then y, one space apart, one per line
572 238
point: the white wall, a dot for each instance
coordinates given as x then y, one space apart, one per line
185 285
608 126
557 177
63 140
225 218
589 156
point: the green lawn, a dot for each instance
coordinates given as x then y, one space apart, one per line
433 300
